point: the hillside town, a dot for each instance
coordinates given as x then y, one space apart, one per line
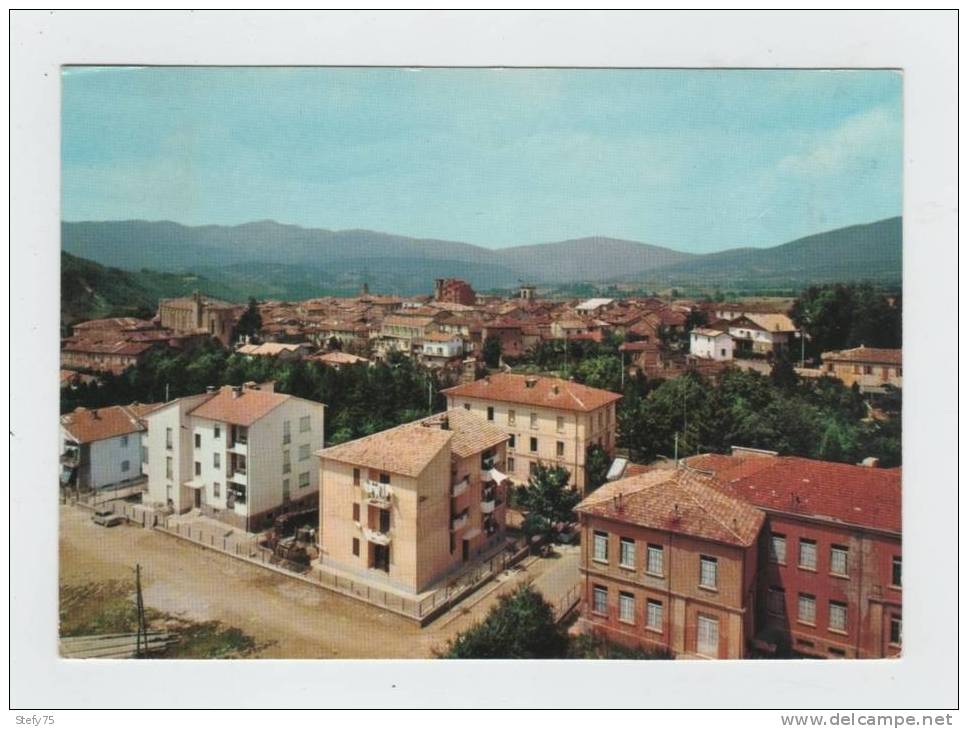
522 450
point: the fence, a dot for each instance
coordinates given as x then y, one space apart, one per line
567 602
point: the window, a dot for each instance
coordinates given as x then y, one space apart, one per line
218 431
837 616
511 441
356 477
868 370
776 601
304 479
490 413
304 426
707 636
808 554
356 512
896 572
144 454
838 560
384 478
600 600
626 553
837 652
600 552
626 607
217 461
286 432
599 421
510 417
198 440
778 548
198 468
534 445
304 452
560 423
124 441
653 615
896 629
534 420
807 609
286 462
168 438
216 489
559 448
532 468
653 562
125 466
356 547
168 468
707 572
511 465
467 406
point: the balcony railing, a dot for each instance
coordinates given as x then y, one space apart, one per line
378 494
381 538
460 487
488 463
487 507
71 458
458 523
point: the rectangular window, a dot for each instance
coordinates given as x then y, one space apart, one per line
356 512
198 440
168 438
286 462
807 609
356 477
837 652
168 468
490 412
560 423
600 600
304 479
808 554
511 441
534 420
778 548
304 425
838 560
124 441
559 448
510 417
600 552
304 452
511 465
896 572
218 431
626 553
707 572
534 445
384 478
532 468
837 616
707 636
896 629
653 615
217 460
626 607
216 489
467 406
125 465
653 562
356 547
776 601
144 454
286 432
198 468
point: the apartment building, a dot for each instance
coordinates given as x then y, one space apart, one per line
710 344
669 563
870 368
548 420
239 454
101 447
410 505
829 583
762 333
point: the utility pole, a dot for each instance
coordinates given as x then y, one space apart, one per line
142 637
675 452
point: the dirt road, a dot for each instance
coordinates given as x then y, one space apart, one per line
287 618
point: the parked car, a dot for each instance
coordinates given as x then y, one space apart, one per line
106 518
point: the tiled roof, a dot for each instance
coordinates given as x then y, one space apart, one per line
549 392
472 433
339 358
399 320
865 354
119 348
242 408
869 497
117 323
772 322
87 426
704 332
680 501
407 449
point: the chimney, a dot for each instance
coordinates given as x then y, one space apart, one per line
210 389
871 462
554 388
94 414
445 423
530 382
236 391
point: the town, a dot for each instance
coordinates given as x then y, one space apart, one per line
647 476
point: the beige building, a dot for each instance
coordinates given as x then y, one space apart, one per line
198 313
870 367
410 505
549 420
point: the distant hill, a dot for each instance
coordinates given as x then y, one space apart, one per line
92 291
272 260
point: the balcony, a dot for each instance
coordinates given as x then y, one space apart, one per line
71 458
239 447
144 469
487 507
461 486
378 494
488 463
459 522
375 537
238 477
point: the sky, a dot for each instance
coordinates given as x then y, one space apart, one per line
698 161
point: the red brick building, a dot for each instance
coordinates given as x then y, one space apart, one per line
829 582
454 291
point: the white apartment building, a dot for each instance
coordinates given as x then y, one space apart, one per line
710 344
239 454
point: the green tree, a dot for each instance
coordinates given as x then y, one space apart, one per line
521 625
596 467
250 323
548 500
492 351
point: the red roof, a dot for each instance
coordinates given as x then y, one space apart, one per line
549 392
87 426
865 354
239 408
867 497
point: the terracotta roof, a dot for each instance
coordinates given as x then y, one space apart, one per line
865 354
704 332
869 497
244 408
550 392
339 358
640 346
117 323
87 426
119 348
400 320
407 449
680 501
472 433
271 349
771 322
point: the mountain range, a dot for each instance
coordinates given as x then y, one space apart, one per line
274 260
